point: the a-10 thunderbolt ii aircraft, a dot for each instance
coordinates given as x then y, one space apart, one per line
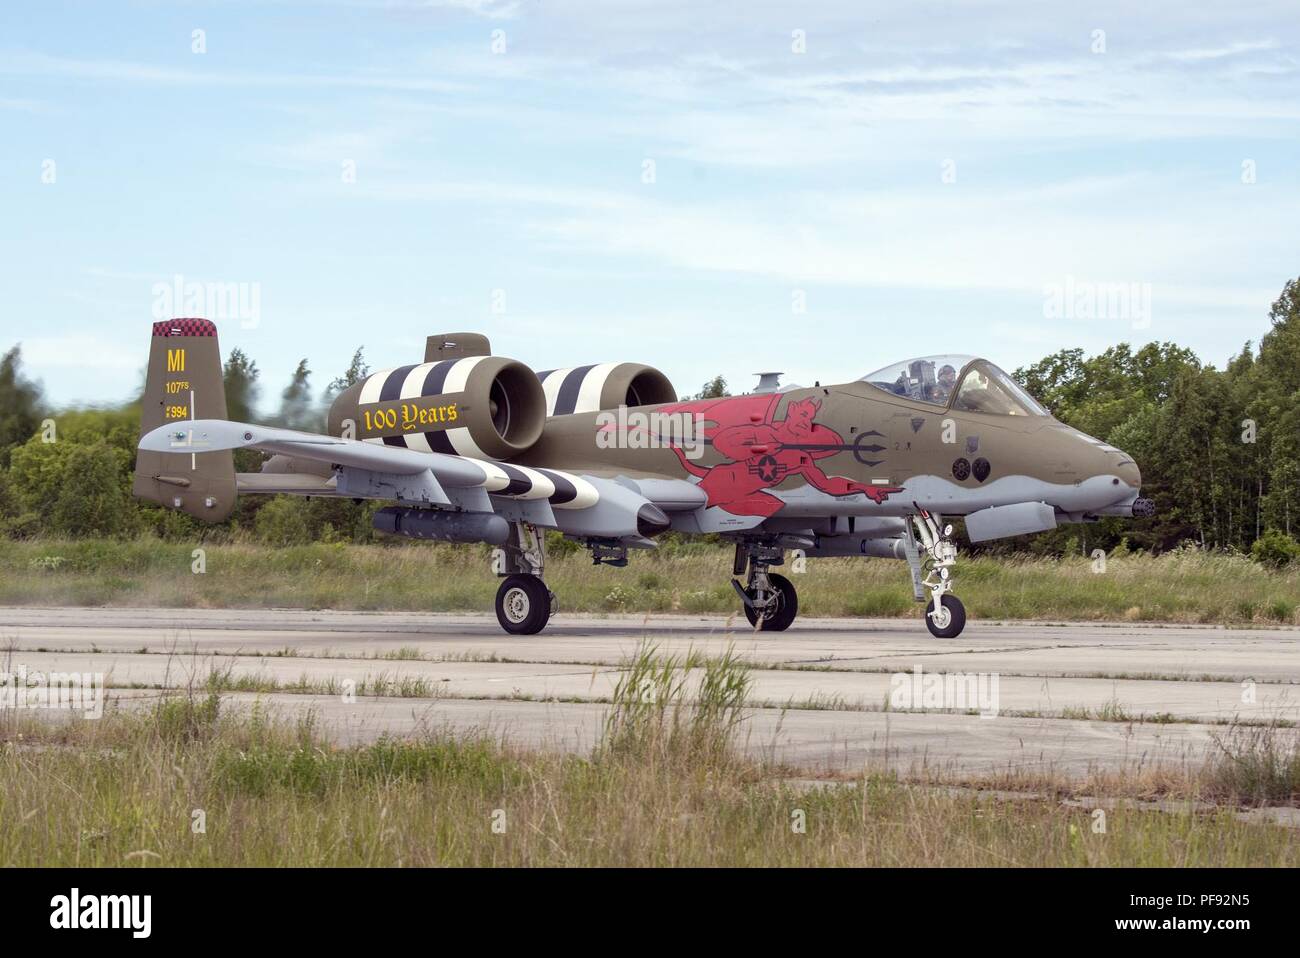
471 447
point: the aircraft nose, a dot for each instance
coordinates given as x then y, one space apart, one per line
1127 470
1105 459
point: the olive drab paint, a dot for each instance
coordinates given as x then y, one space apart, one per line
184 383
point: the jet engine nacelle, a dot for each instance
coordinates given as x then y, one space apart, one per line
487 407
604 386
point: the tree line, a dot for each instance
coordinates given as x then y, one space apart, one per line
1219 449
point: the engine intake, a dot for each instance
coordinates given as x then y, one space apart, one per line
487 407
604 386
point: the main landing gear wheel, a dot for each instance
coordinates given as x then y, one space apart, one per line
949 620
782 610
524 604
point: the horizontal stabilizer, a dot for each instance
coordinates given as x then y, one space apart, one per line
264 483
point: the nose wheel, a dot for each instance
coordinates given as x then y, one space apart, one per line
947 619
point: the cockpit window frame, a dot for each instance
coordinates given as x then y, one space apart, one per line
905 368
1032 408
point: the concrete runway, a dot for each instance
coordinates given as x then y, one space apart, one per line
1069 697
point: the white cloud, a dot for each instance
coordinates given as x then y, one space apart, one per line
31 64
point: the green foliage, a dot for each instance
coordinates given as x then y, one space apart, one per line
290 520
342 520
36 470
1219 449
240 379
9 507
1275 548
94 499
357 370
557 545
73 489
20 402
715 388
284 521
297 408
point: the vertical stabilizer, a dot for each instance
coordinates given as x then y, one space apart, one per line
184 383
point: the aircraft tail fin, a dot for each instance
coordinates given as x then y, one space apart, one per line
184 383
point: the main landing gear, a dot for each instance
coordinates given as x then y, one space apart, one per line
769 600
524 603
945 616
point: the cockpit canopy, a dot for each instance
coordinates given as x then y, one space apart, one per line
964 383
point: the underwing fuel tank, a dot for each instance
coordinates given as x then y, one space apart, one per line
857 546
444 526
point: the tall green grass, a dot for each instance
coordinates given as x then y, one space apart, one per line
1184 586
655 716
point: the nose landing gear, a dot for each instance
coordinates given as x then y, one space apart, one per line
948 619
945 616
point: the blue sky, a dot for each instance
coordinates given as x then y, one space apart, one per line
919 176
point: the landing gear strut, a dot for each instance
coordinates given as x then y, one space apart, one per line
945 616
769 600
524 604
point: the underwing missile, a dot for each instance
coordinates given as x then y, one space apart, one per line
445 526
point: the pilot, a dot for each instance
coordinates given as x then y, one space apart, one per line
947 380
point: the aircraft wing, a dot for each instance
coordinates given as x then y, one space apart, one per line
583 505
211 435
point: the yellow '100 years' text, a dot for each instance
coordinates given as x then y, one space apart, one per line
408 416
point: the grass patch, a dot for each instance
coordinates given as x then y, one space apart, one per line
1184 586
1257 765
665 785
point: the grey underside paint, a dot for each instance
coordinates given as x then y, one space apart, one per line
1002 522
933 493
946 497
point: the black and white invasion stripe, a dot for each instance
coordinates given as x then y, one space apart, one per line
576 389
563 490
425 379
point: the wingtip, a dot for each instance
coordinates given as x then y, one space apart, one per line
197 435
